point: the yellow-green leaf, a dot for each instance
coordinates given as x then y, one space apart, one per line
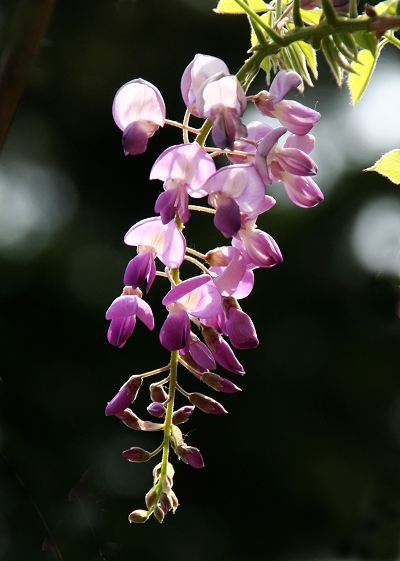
389 166
388 7
311 17
311 57
267 20
364 68
230 7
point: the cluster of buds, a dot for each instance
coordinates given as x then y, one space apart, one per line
236 196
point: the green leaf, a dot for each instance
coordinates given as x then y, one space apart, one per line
388 7
367 40
311 57
389 166
266 19
230 7
311 17
358 82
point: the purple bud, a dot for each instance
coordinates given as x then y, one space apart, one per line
218 383
241 331
221 351
157 393
126 395
129 419
136 455
182 415
206 404
157 409
190 455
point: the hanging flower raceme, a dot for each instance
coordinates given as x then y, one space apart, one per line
138 110
290 164
184 169
297 118
153 239
197 297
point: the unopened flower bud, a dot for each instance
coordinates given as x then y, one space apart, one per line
148 426
206 404
151 497
138 516
176 436
218 383
126 395
136 454
129 419
165 502
217 258
157 409
182 415
157 393
159 514
190 455
174 499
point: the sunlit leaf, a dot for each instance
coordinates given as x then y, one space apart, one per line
388 7
311 57
311 17
389 166
230 7
267 20
367 40
364 67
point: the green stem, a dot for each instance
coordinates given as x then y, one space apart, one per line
168 416
392 39
204 131
256 18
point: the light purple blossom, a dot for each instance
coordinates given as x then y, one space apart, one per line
297 118
224 101
198 297
232 190
239 326
290 164
123 312
153 239
138 110
196 75
183 168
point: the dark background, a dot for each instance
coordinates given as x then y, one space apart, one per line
306 465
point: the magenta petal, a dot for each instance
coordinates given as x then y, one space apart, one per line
123 306
283 82
145 314
202 355
184 288
296 117
306 142
193 457
296 162
263 249
135 138
241 331
227 127
165 205
120 402
120 330
302 191
227 217
157 409
138 269
230 276
175 332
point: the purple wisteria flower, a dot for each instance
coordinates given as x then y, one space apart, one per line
123 312
198 297
232 190
183 168
297 118
202 69
290 164
153 239
138 110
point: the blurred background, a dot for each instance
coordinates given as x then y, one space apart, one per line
306 465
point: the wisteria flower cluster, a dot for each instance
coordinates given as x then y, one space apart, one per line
204 318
